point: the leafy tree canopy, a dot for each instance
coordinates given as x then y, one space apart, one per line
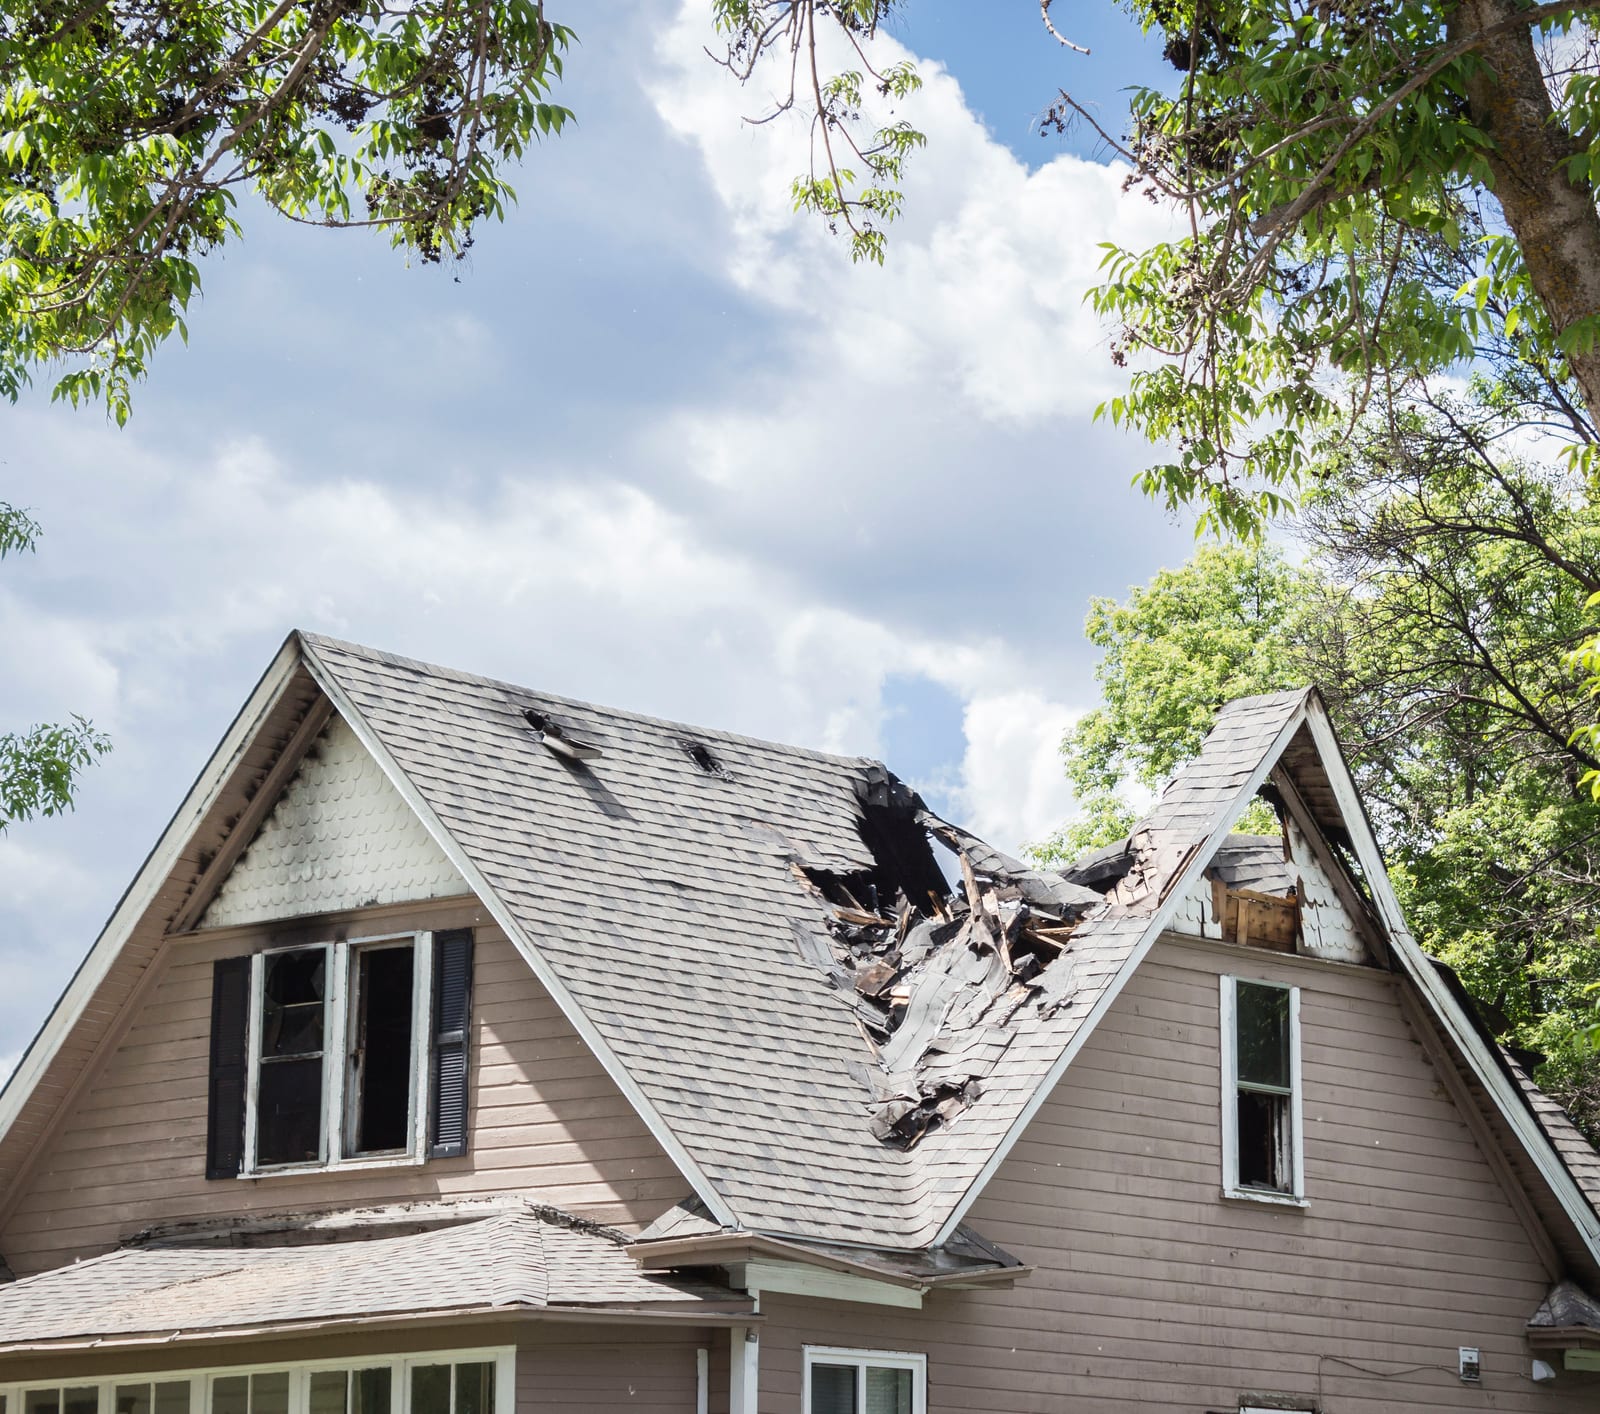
1440 576
130 127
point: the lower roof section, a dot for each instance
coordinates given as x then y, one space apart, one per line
530 1261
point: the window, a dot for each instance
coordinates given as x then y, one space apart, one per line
453 1382
864 1382
338 1058
1261 1133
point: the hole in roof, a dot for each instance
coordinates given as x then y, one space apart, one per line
536 719
705 759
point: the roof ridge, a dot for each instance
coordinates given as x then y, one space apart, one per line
670 724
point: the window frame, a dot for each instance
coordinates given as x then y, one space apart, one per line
1231 1187
863 1360
338 1092
201 1378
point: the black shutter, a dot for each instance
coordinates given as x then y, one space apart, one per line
452 1027
230 1024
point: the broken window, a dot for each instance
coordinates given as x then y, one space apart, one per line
1261 1101
383 1066
864 1382
338 1065
289 1056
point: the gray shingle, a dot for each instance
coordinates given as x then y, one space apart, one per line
518 1261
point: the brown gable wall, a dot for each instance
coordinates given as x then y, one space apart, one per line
547 1121
1154 1293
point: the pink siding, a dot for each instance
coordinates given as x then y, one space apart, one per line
547 1122
1152 1292
578 1369
562 1368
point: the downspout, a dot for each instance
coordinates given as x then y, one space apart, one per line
744 1365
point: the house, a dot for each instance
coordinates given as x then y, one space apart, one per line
463 1050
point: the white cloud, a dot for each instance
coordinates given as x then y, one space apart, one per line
1013 791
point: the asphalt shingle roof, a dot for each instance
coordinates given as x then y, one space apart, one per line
516 1261
663 896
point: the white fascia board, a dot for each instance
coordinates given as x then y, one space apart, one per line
1438 996
1153 930
147 883
798 1279
692 1172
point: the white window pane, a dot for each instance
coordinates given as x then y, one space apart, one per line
41 1401
132 1399
370 1391
475 1388
85 1399
833 1389
172 1397
330 1392
269 1393
888 1391
230 1394
430 1389
1263 1035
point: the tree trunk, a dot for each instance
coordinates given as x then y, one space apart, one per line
1553 218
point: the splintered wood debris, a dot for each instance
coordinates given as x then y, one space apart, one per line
937 977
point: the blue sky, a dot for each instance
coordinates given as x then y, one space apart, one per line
656 443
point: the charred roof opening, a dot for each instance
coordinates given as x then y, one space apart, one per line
703 757
553 736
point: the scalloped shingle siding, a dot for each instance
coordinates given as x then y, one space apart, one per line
341 837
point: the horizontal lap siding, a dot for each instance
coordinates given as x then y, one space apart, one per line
583 1371
1151 1292
547 1122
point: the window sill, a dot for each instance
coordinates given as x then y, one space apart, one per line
341 1166
1272 1200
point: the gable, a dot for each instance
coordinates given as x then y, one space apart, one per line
340 837
1411 1243
129 1150
1274 892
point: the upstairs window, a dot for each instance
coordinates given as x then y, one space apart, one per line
338 1063
1261 1129
864 1382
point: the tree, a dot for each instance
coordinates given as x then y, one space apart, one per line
1439 580
1350 170
39 768
131 126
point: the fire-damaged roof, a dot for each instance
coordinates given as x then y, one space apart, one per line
763 945
531 1260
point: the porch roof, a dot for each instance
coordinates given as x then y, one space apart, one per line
531 1262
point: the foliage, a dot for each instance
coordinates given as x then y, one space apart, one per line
40 767
131 126
1443 578
854 176
1179 648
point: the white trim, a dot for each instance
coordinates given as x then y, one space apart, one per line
1229 1068
863 1360
1456 1023
201 1379
1153 930
147 883
619 1073
798 1279
702 1381
338 1095
744 1369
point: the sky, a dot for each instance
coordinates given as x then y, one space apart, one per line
657 443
